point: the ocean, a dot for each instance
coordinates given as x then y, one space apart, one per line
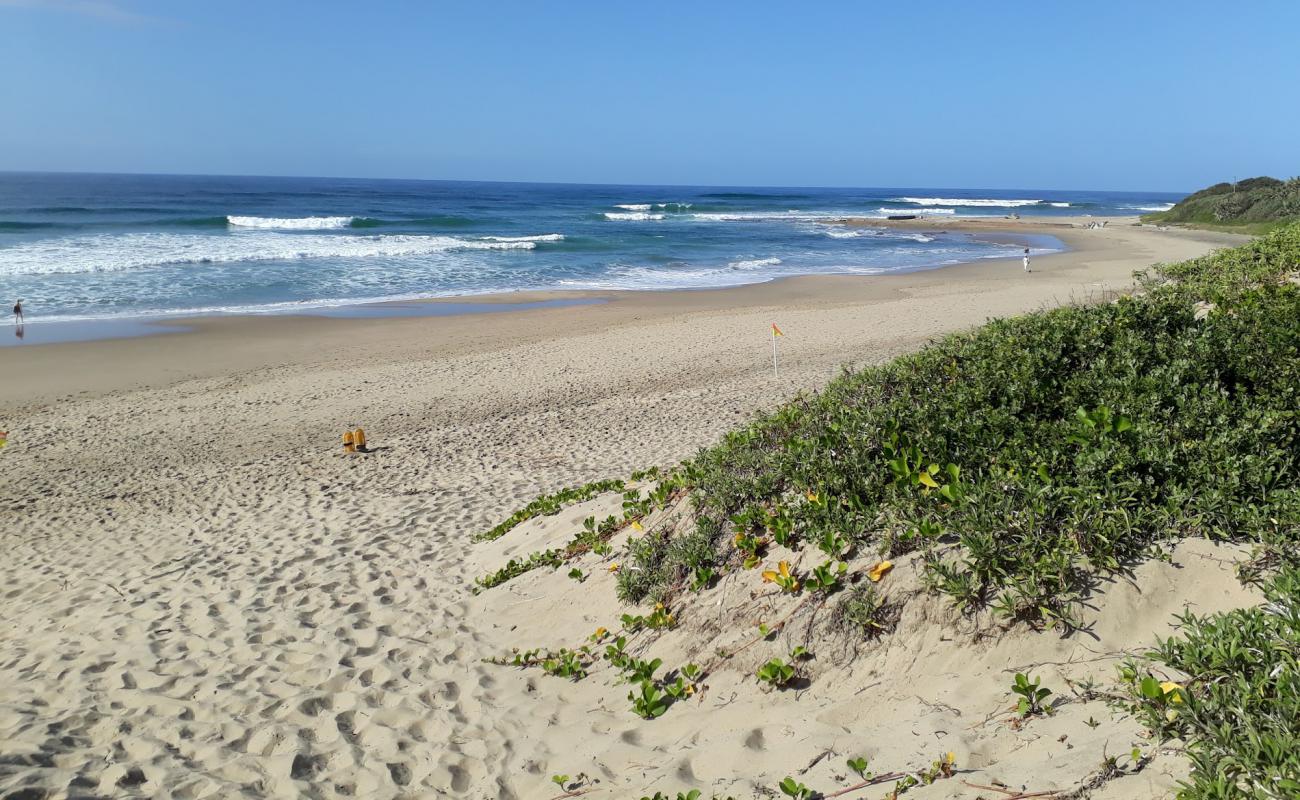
92 247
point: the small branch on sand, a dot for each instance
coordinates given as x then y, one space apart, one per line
1002 789
815 761
888 776
1011 793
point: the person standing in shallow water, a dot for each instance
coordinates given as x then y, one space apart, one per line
1027 259
18 312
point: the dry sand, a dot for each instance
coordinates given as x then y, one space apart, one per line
202 597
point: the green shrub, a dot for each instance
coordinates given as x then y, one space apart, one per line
1078 439
1239 708
1251 201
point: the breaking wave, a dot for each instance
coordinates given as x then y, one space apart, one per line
290 224
633 216
107 253
922 211
967 202
757 263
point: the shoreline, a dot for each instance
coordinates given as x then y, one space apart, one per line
198 347
63 331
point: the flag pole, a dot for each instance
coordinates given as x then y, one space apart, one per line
774 373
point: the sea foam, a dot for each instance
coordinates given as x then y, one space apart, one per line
889 212
633 216
966 201
757 263
116 253
290 224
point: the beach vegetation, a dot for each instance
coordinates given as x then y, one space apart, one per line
550 504
1032 696
565 663
796 790
776 673
639 671
703 578
518 566
786 579
1257 205
865 612
1237 706
648 701
826 577
1074 442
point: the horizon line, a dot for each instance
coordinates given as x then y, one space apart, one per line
562 183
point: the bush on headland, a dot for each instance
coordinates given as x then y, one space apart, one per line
1255 204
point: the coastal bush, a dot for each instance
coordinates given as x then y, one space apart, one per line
1252 202
1238 706
1071 441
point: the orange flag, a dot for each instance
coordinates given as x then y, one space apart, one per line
776 331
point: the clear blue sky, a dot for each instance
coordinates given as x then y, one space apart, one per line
1035 94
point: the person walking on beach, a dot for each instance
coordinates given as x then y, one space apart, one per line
1027 260
18 312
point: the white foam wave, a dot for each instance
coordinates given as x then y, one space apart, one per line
852 233
115 253
892 212
966 201
757 263
762 216
633 216
634 206
1164 207
1059 205
291 224
545 237
679 206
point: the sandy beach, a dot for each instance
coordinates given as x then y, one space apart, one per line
204 597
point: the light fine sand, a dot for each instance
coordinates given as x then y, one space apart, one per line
202 596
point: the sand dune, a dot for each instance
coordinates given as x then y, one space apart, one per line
202 597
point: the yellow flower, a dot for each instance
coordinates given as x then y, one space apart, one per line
600 633
690 689
769 575
636 524
811 495
1173 691
613 567
951 758
878 571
